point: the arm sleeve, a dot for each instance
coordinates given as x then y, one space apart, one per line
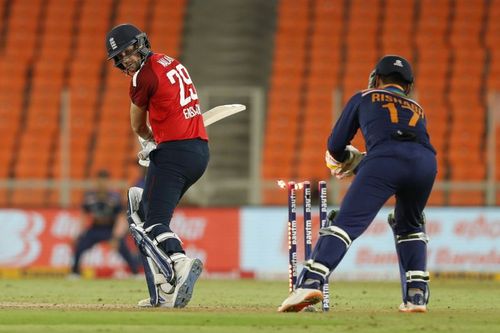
142 86
345 129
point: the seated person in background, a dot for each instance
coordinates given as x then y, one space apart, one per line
103 208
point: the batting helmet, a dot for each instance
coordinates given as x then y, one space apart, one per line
390 64
121 37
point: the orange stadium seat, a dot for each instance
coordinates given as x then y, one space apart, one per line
22 29
361 9
467 23
13 77
66 42
274 196
344 51
129 7
6 149
329 80
438 138
467 113
461 172
32 162
437 86
397 29
326 48
308 169
29 198
78 154
287 79
466 198
77 170
4 196
290 42
75 198
321 46
437 198
492 37
82 70
325 53
442 170
58 27
115 165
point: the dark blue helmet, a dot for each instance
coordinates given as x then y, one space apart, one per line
390 64
121 37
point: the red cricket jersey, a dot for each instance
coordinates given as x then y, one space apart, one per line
164 87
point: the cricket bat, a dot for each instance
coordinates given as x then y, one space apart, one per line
220 112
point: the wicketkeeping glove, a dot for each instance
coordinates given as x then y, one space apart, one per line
344 169
147 146
371 80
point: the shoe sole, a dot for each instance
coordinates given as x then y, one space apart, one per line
419 309
145 303
411 308
311 299
186 289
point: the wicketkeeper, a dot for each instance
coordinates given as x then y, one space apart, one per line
175 148
400 161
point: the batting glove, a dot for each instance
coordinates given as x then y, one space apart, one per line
147 146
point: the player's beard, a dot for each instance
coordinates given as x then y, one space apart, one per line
132 68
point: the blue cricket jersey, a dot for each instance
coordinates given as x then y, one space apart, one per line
385 116
103 207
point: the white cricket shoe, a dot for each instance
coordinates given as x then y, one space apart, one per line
416 303
410 307
165 294
168 302
187 271
299 299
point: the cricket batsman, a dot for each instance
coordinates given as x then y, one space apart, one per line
176 149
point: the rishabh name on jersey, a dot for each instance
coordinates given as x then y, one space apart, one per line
384 112
163 86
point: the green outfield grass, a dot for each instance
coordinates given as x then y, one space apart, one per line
56 305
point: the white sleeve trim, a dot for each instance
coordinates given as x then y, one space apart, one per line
134 78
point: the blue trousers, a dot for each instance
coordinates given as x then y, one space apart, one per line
98 234
174 167
408 172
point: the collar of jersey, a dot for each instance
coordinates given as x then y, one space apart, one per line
394 89
146 58
134 77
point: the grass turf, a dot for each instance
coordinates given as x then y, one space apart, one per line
52 305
